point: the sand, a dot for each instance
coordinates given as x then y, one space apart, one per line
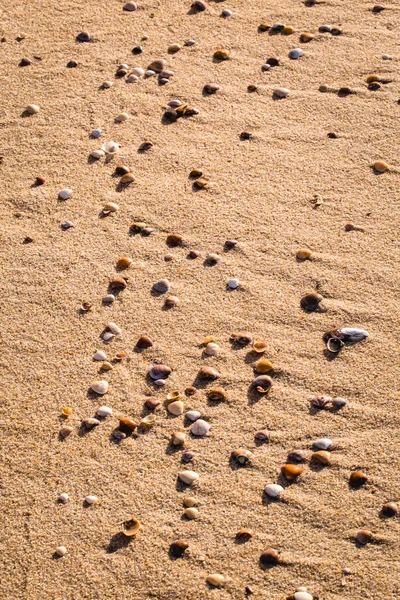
263 193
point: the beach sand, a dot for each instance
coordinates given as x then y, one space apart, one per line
289 187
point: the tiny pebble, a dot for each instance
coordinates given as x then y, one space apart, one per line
386 57
72 64
187 456
137 50
32 109
281 92
324 28
273 490
189 501
130 6
109 299
84 36
216 580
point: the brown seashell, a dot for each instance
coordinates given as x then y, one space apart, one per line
390 509
138 226
304 254
122 169
159 372
264 27
40 181
259 347
172 301
364 536
152 403
217 394
144 342
357 479
243 338
120 356
189 111
288 30
263 366
145 146
242 455
209 373
124 262
262 383
190 391
201 183
211 88
306 37
157 65
127 425
118 283
195 174
178 547
381 166
321 457
222 54
131 527
66 431
127 178
174 239
90 422
321 401
244 535
178 438
372 78
262 436
291 472
310 302
269 557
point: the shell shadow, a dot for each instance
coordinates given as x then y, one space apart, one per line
92 160
267 500
251 356
171 450
330 355
120 187
83 431
317 467
56 556
117 542
259 443
92 395
253 396
200 383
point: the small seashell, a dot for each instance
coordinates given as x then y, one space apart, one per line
144 342
209 373
149 73
162 286
213 258
353 335
193 415
262 383
233 283
187 456
211 88
60 551
188 477
91 499
288 30
335 31
172 301
173 395
310 302
215 579
157 65
190 391
339 402
106 366
174 103
127 425
217 394
127 178
324 28
109 299
242 456
357 479
222 54
321 401
66 411
323 443
306 37
211 349
114 328
130 6
110 207
259 347
199 5
244 535
32 109
226 13
296 456
269 557
66 431
96 133
110 147
264 27
83 36
174 48
65 194
201 184
178 438
90 423
272 61
242 338
364 536
273 490
281 92
159 372
160 382
302 595
174 239
63 497
107 336
67 225
138 71
200 427
86 306
189 501
124 262
122 170
97 154
178 547
390 509
291 472
148 421
176 408
132 78
107 84
304 254
295 53
263 366
152 403
100 387
104 411
321 457
191 513
131 527
171 115
262 436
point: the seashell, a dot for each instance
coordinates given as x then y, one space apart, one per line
259 347
364 536
304 254
157 65
160 382
159 372
149 73
122 71
226 13
106 366
201 184
263 366
191 513
83 36
302 595
339 402
166 74
131 527
176 408
32 109
124 262
90 422
213 258
174 103
127 178
242 456
222 54
187 456
272 61
269 557
273 490
211 349
324 28
121 169
295 456
138 71
246 135
162 286
357 479
148 421
372 78
127 425
195 173
211 88
132 78
233 283
262 383
323 443
189 501
65 194
215 579
63 497
244 535
310 302
288 30
264 27
291 472
66 411
335 31
193 415
188 477
144 342
110 147
353 335
120 356
152 403
321 401
100 387
178 547
390 509
130 6
281 92
107 336
217 394
262 436
199 5
118 283
190 391
306 37
178 438
174 239
174 48
86 306
321 457
61 551
66 431
295 53
104 411
107 84
242 338
97 154
230 244
209 373
110 207
194 254
91 499
172 301
200 427
114 328
173 395
67 225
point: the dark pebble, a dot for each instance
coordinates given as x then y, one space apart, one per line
277 28
269 557
72 64
252 88
378 8
171 115
178 548
248 590
273 62
84 36
194 254
296 456
336 31
230 243
28 240
246 135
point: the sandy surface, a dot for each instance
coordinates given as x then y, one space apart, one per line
263 194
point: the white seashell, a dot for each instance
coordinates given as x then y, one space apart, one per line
200 427
273 490
215 579
122 117
281 92
63 497
176 408
193 415
97 154
107 84
110 147
123 66
188 477
302 596
114 328
110 207
233 283
100 355
354 335
107 336
61 551
100 387
32 109
323 443
150 73
109 299
211 349
132 78
339 402
104 411
91 499
138 71
65 194
96 133
160 382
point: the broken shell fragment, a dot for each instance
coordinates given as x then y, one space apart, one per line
323 443
106 366
100 387
200 427
148 421
90 422
217 394
159 372
172 301
209 373
131 527
114 328
262 383
321 401
110 207
173 395
352 334
178 438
